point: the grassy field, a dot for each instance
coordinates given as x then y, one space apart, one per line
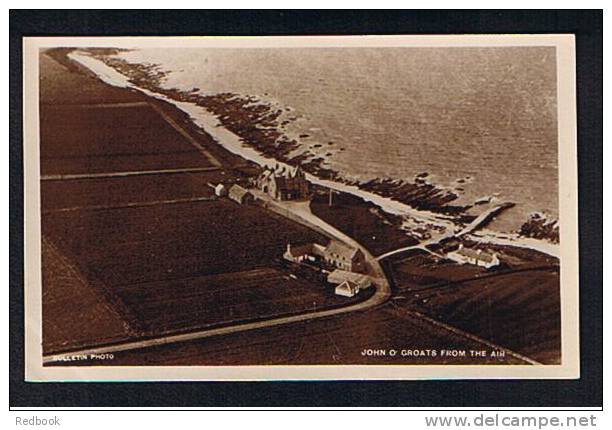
74 312
125 139
214 300
62 84
364 222
520 311
151 243
517 305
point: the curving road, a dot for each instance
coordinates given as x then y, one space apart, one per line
298 211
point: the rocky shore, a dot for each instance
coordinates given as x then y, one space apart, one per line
538 226
263 127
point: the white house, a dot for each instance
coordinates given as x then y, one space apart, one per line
339 276
347 289
477 257
221 190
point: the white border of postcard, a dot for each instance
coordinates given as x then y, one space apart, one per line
568 219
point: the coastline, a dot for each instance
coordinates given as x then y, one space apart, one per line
421 202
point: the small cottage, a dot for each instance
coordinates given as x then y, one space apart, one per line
339 276
220 190
347 289
477 257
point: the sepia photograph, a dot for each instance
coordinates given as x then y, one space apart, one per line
299 208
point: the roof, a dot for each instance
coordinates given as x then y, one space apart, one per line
476 254
341 249
237 192
348 285
298 251
339 276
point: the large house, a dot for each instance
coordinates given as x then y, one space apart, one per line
477 257
335 254
284 183
344 257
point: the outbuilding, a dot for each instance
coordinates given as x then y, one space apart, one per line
477 257
221 190
339 277
240 195
347 289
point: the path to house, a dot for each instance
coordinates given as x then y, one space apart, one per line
478 222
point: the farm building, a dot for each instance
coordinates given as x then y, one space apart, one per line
339 277
220 190
344 257
240 195
477 257
284 183
311 252
347 289
335 254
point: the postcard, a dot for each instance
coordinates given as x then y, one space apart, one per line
300 208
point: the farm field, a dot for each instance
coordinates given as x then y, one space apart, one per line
216 300
128 138
336 340
69 84
186 265
517 306
520 311
59 195
151 243
75 313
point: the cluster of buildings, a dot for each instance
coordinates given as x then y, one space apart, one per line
234 192
284 183
477 257
348 264
335 254
281 183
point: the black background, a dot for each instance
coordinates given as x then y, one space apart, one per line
587 391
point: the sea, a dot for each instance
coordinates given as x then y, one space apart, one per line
479 121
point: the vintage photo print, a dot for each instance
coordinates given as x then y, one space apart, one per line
300 208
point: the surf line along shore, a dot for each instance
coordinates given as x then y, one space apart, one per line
207 121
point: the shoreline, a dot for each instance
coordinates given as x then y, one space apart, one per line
380 192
